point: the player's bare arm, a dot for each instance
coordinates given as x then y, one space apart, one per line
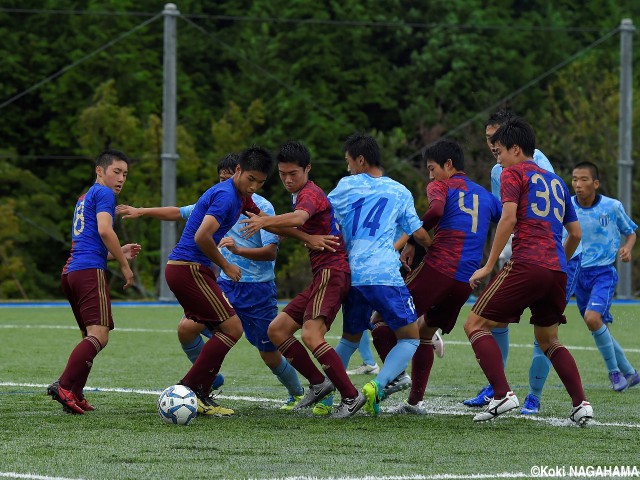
625 250
312 242
266 253
573 239
254 223
111 241
130 250
503 232
161 213
422 237
204 240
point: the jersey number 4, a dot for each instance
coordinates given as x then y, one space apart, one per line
372 219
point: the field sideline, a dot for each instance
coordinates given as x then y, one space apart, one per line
124 438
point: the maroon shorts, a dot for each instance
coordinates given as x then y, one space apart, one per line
88 296
323 298
195 287
438 297
523 285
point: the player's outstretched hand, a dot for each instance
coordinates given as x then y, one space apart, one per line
127 211
232 271
131 250
127 273
406 257
253 224
322 242
478 275
625 254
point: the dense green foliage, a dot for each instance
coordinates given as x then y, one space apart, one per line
266 71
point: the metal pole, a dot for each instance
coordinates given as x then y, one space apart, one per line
168 156
625 164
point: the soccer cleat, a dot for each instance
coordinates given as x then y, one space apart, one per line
483 398
633 379
498 406
407 408
208 406
64 397
438 344
83 404
323 407
372 393
365 369
291 402
531 405
618 382
315 393
401 382
582 413
349 406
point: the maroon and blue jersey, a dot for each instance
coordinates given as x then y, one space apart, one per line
87 248
312 199
461 232
544 207
224 203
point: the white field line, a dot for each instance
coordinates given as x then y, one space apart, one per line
33 476
433 405
328 337
437 476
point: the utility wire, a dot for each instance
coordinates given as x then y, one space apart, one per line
315 21
77 62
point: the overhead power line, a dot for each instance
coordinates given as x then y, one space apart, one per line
317 21
76 63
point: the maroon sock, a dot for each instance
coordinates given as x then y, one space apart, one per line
333 367
79 364
420 368
490 360
567 370
383 339
200 377
297 355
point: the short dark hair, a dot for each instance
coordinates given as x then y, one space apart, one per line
592 167
293 151
107 157
443 150
228 162
256 158
499 117
360 144
516 131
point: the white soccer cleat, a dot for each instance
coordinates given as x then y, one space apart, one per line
582 413
365 369
438 344
406 408
498 406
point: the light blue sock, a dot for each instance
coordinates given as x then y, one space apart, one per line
193 348
207 333
605 345
539 371
501 336
288 377
397 360
365 349
345 349
621 359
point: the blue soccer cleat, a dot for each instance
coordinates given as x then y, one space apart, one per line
531 405
633 379
618 382
483 398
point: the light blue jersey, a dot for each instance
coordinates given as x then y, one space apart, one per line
602 224
252 270
369 211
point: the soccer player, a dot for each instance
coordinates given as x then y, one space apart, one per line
602 220
193 282
535 206
369 208
315 308
83 279
460 212
254 298
540 365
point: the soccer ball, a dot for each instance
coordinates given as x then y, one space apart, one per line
178 405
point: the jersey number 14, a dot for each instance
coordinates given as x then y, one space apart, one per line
372 219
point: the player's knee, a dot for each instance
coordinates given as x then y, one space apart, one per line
232 326
593 321
188 330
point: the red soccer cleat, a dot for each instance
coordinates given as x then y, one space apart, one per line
66 398
83 404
